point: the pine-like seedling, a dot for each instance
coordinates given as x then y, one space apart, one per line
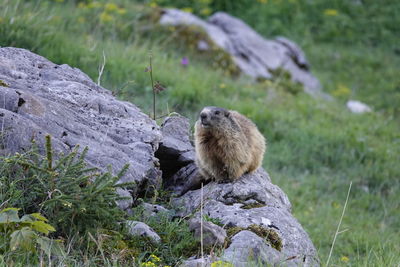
74 197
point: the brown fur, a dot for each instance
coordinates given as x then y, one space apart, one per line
228 144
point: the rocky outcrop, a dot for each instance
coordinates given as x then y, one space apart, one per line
249 218
254 55
38 97
253 204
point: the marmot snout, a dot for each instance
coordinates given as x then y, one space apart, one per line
227 144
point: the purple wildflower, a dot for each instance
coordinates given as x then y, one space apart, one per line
185 61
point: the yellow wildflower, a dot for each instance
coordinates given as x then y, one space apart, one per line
121 11
341 91
221 264
81 5
105 17
331 12
94 5
344 259
205 11
111 7
222 85
187 9
154 258
153 4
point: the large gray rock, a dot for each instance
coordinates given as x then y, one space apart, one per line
251 190
45 98
253 54
253 201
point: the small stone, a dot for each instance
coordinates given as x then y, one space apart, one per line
192 262
155 211
203 45
136 228
124 204
358 107
247 246
213 235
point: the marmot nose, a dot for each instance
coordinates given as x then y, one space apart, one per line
203 116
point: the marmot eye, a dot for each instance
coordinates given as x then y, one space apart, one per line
216 112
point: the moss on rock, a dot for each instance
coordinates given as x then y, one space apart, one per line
252 206
4 84
269 235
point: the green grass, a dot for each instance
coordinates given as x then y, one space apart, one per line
315 148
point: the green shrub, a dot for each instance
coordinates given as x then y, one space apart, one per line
75 198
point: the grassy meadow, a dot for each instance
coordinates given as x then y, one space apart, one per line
315 148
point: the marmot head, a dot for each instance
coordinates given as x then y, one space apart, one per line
211 117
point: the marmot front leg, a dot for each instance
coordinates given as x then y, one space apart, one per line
224 176
206 174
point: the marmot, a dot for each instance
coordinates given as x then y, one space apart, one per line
227 144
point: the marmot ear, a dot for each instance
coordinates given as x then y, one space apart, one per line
227 113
